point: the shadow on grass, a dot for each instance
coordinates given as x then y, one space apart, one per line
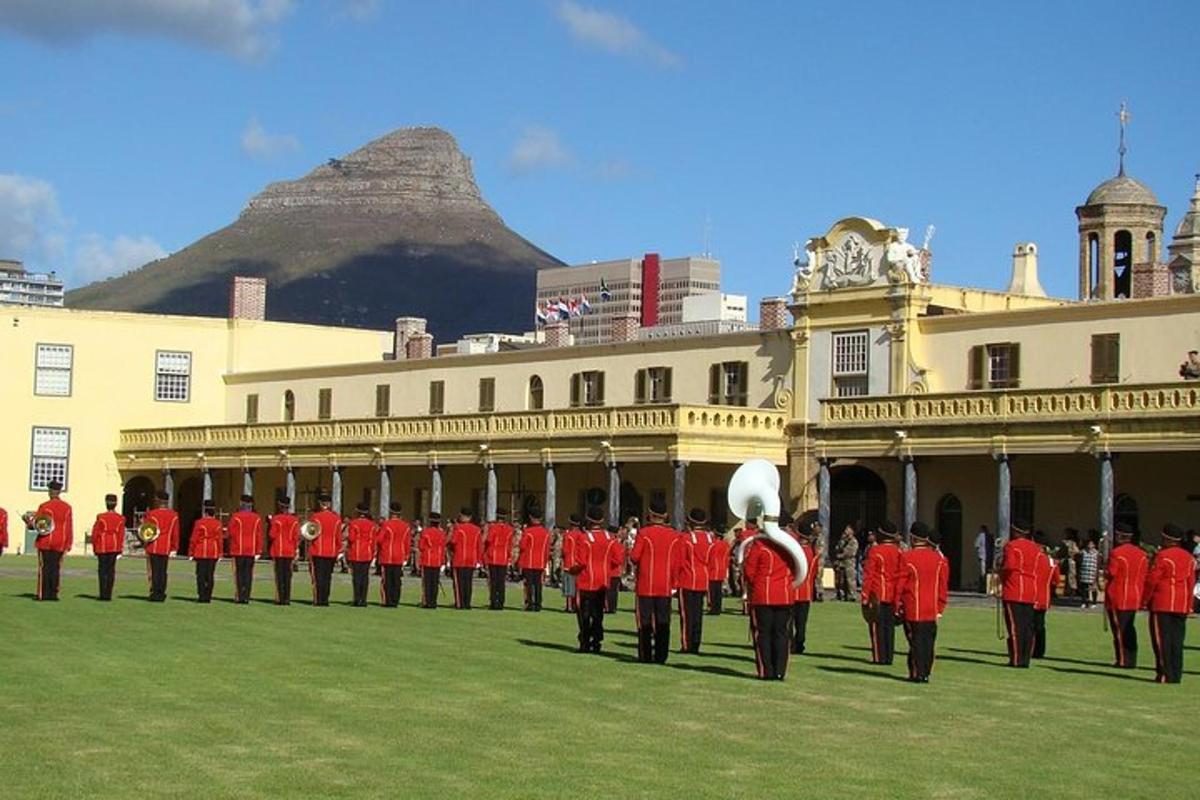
852 671
834 656
1055 659
964 660
566 648
1116 675
713 669
141 597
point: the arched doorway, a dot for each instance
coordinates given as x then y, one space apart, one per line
138 495
857 496
949 525
188 498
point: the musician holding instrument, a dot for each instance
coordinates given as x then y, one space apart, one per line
718 573
1124 582
804 532
52 524
393 540
284 535
768 573
591 563
922 592
497 552
1018 579
1168 596
324 547
108 540
205 546
569 538
879 593
245 543
693 580
431 555
159 534
658 554
465 544
360 551
533 553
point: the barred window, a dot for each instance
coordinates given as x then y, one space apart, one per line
173 376
850 363
52 376
48 458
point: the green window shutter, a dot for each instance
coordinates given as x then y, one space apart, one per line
1014 365
639 387
714 385
599 388
743 389
977 367
575 390
667 384
1106 357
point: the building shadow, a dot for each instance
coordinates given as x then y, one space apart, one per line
869 673
566 648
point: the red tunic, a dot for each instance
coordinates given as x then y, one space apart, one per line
3 529
1125 577
1047 575
168 531
360 540
284 533
206 541
880 572
1169 582
718 560
1018 573
431 546
591 560
693 565
497 544
805 592
570 539
616 561
108 533
329 543
534 548
466 545
658 553
64 534
393 537
245 534
922 585
769 571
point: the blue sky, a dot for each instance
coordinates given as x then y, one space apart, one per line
130 128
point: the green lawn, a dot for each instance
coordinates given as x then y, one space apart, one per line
132 699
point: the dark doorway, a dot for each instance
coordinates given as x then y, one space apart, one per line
1125 509
1122 264
949 525
857 496
139 492
188 498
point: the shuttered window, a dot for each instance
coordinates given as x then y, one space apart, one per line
652 385
487 394
728 383
437 397
1106 358
587 389
251 409
325 404
383 400
994 366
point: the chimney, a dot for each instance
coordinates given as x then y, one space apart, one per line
1025 271
406 329
624 328
773 314
558 334
650 285
248 298
419 346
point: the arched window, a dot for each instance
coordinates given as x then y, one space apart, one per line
1122 265
536 394
1151 255
1125 509
289 406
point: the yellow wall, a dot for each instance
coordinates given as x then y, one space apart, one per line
113 378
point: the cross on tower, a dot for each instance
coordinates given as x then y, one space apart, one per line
1123 117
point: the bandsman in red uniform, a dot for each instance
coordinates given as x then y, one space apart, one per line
612 591
532 557
108 540
466 551
52 545
718 573
1168 595
393 540
658 553
922 591
1047 579
570 537
245 544
158 552
768 572
431 556
497 553
360 550
1018 581
205 546
3 531
880 572
591 563
802 595
693 579
323 551
1124 582
284 535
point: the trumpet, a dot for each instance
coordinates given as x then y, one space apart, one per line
310 529
41 524
148 531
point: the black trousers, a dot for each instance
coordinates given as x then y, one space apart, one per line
590 615
691 620
430 585
106 571
497 585
654 628
715 596
283 581
49 569
156 571
1019 619
243 578
799 626
771 629
321 571
389 585
611 595
533 588
921 639
360 580
883 634
1166 635
1039 634
462 586
206 568
1124 634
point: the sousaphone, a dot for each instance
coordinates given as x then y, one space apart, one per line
41 524
310 529
148 531
754 492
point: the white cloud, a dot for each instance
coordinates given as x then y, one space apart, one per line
97 258
31 224
613 33
359 9
538 148
258 143
243 28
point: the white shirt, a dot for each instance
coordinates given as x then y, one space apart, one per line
981 545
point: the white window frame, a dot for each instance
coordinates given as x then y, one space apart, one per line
49 456
850 361
45 368
999 355
166 380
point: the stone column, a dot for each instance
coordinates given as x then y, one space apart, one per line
1106 500
169 486
335 489
910 495
614 493
206 477
551 510
489 503
823 503
435 489
1003 501
248 481
678 512
385 490
290 488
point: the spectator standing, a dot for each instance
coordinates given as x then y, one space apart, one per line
1089 567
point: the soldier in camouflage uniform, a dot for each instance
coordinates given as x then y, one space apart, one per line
846 573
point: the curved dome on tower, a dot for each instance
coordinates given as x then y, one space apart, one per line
1122 190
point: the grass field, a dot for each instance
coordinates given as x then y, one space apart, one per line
133 699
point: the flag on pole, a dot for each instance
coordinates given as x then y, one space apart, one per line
540 314
605 292
584 306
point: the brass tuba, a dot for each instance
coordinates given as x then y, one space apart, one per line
148 531
310 529
754 492
41 524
